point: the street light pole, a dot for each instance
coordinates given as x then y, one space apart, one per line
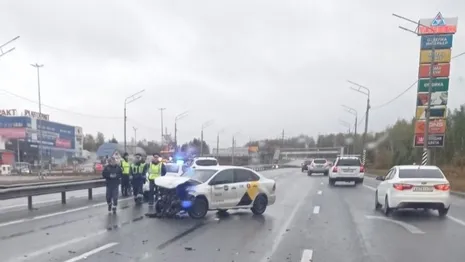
9 50
161 113
204 125
233 151
218 142
39 120
127 101
176 119
354 112
426 156
366 91
135 139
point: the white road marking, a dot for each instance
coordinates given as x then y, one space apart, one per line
411 228
307 255
316 209
456 220
283 229
319 192
369 187
19 221
92 252
57 246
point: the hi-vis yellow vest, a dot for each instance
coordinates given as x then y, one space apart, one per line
126 167
154 171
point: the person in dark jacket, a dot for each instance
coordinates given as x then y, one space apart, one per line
112 174
138 171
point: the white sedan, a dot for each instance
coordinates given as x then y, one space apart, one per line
224 187
172 169
413 187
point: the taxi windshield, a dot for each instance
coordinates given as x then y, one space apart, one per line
201 175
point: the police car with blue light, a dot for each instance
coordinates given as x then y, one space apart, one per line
205 188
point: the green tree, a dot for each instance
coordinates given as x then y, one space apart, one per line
89 143
100 140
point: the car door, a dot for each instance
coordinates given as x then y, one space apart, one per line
383 186
246 182
222 193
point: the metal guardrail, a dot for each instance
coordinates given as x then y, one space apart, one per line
38 189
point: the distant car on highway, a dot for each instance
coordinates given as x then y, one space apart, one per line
173 169
222 188
204 161
413 187
305 164
318 165
347 169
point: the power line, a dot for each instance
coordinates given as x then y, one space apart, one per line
397 97
410 87
59 109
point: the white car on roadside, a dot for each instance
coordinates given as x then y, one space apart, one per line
222 188
204 161
413 187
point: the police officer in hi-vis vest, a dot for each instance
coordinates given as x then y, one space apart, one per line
138 171
155 169
126 167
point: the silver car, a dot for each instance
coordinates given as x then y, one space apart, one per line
318 165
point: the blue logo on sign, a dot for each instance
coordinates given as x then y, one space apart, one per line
438 41
438 20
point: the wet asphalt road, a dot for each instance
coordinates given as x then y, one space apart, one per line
310 218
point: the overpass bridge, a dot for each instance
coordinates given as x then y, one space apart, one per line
323 152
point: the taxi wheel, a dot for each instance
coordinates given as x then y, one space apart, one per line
386 209
199 209
377 204
259 205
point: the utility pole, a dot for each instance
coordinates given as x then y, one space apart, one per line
176 119
127 101
282 139
204 125
161 113
135 140
366 91
2 53
39 120
218 142
233 150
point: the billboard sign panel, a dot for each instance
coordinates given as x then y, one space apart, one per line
438 85
438 41
439 70
435 112
438 25
436 126
13 133
437 99
440 56
433 141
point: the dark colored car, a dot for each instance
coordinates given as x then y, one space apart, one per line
305 165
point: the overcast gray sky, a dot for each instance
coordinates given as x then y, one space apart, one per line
253 66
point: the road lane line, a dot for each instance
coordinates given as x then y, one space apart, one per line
316 210
284 228
19 221
92 252
319 192
57 246
456 220
411 228
307 255
369 187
